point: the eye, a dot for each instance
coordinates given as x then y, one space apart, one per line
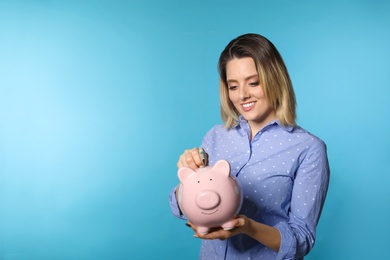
198 181
254 84
232 87
211 179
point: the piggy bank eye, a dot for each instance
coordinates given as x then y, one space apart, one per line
211 179
198 181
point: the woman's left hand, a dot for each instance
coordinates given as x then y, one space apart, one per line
240 226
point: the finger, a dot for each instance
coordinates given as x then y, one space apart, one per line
239 222
185 160
196 157
182 162
190 159
190 225
216 234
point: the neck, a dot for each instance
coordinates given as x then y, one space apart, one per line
258 125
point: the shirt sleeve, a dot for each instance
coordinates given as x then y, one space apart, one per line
307 200
174 205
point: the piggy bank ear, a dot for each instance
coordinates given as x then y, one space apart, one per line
183 173
223 167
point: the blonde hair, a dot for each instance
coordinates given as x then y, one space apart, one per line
273 74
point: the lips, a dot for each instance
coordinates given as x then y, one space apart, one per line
248 106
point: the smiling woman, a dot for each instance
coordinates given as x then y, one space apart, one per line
282 168
257 61
247 95
98 98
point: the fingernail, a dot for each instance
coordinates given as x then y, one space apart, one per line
196 236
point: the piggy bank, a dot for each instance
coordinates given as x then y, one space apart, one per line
209 197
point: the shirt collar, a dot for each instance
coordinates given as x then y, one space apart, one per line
243 124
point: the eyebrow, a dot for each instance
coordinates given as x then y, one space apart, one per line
246 79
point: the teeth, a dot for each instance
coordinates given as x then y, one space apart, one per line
248 104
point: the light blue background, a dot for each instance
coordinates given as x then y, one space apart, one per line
99 98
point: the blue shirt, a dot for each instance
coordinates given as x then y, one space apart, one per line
284 174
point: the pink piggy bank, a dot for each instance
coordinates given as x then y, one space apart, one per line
209 197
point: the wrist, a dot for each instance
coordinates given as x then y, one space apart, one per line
266 235
250 227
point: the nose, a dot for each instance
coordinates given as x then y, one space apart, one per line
243 92
207 199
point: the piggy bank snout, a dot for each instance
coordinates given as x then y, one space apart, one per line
207 199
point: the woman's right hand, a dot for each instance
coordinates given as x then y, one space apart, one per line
190 159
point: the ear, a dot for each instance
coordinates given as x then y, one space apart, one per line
222 167
183 173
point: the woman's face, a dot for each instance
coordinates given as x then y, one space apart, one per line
246 93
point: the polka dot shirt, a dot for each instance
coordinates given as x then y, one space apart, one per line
284 173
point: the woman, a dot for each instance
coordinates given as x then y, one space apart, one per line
282 168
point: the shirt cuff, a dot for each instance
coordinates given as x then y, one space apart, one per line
288 244
174 205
